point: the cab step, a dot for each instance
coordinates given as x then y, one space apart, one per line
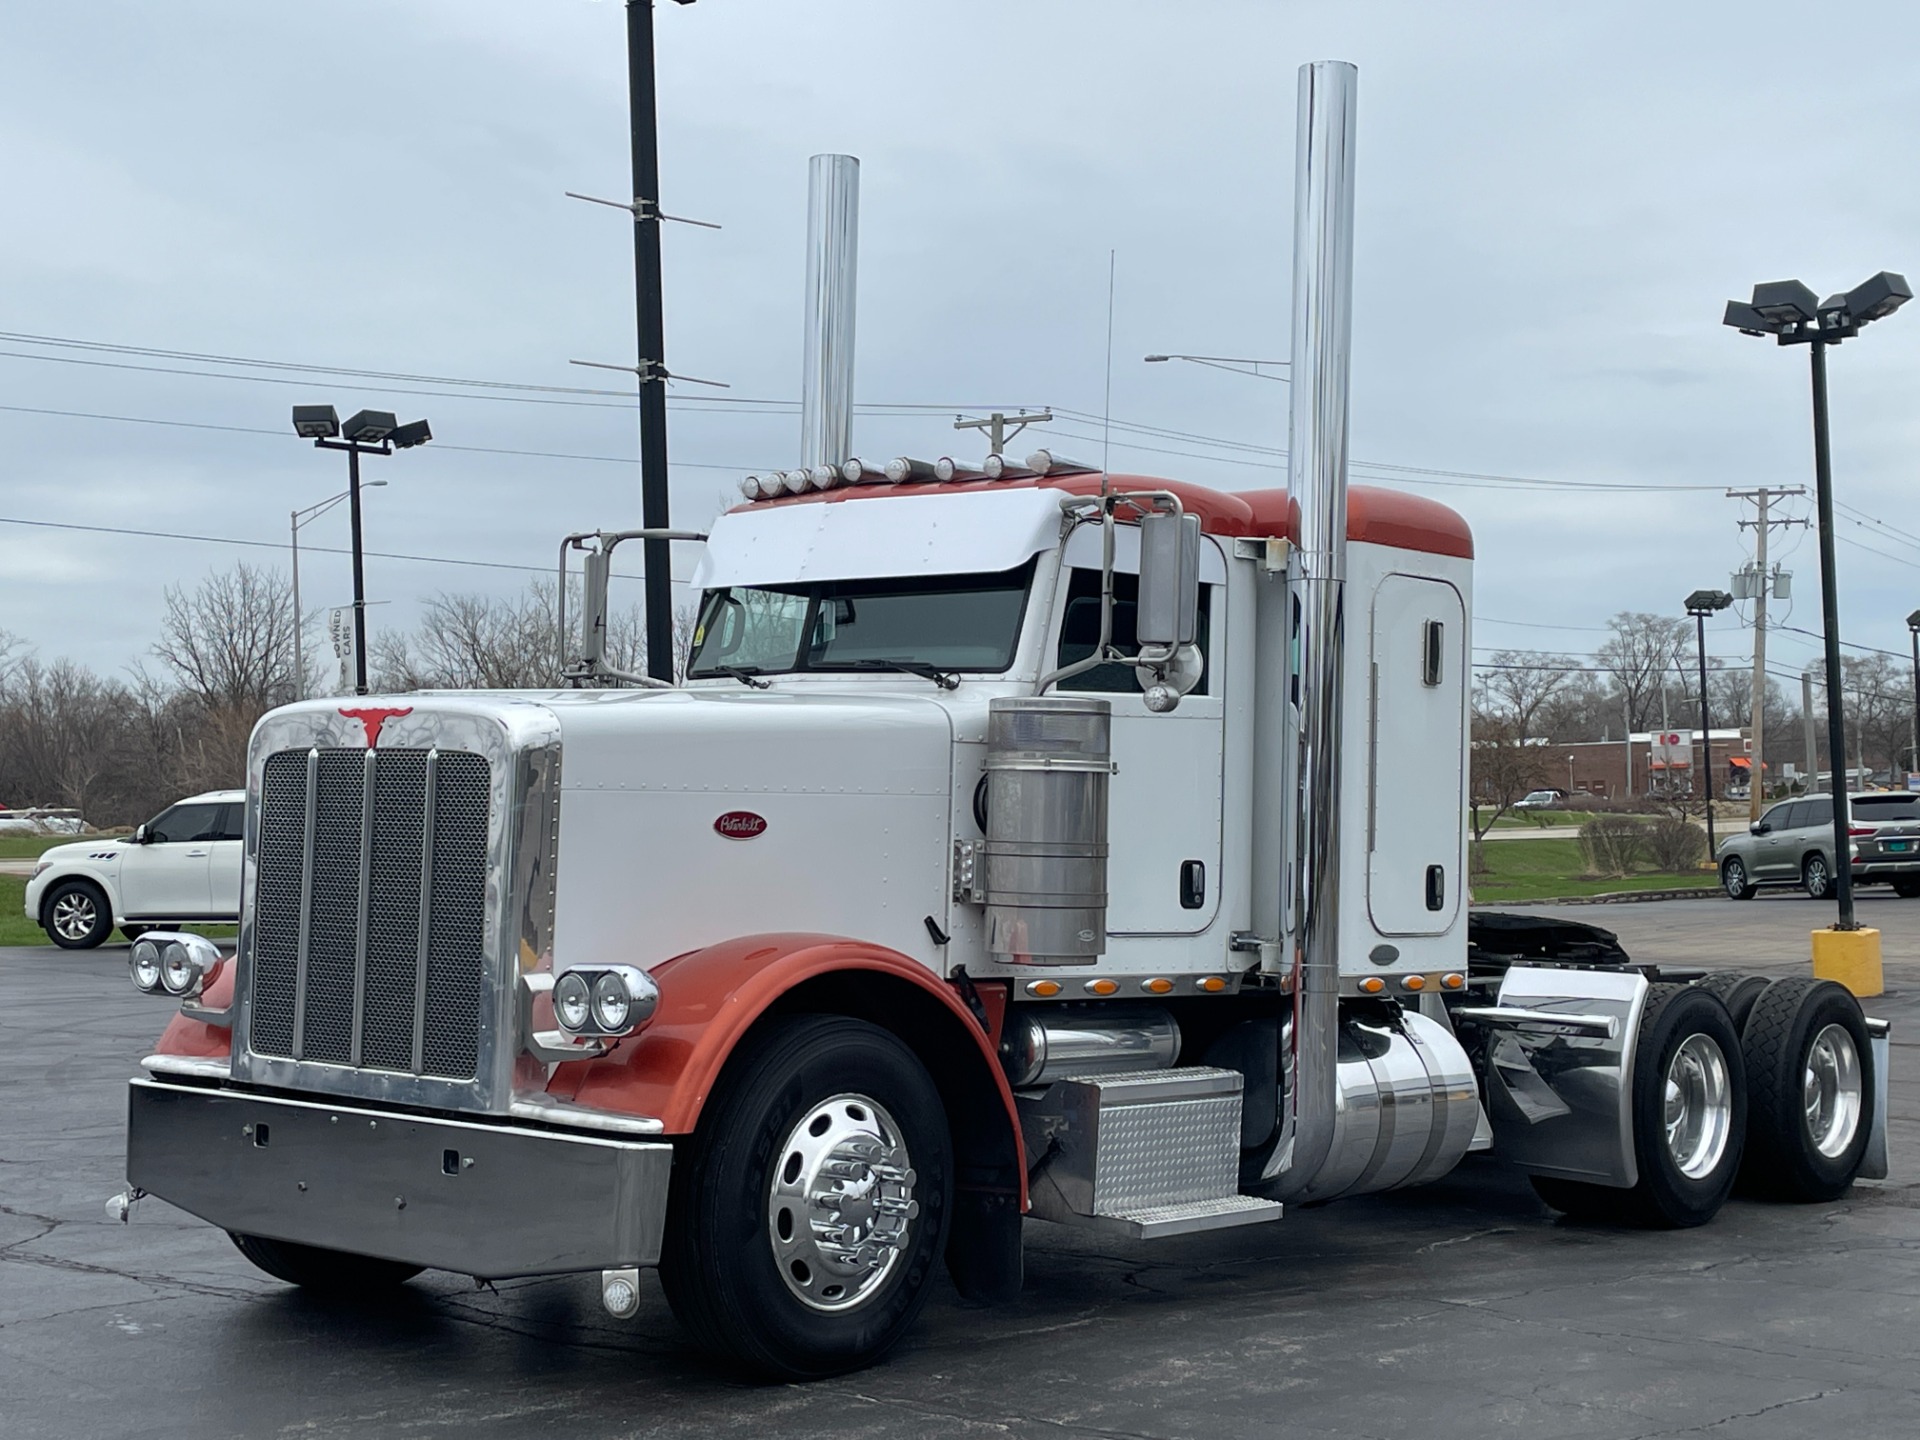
1144 1153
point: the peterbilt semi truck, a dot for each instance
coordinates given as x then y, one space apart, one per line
1024 842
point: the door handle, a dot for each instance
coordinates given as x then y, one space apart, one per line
196 854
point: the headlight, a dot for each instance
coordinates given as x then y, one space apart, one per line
177 970
144 965
611 1003
572 1001
604 999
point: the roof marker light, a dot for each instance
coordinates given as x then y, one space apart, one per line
903 469
824 477
796 482
946 468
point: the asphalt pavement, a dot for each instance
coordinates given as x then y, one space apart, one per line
1462 1309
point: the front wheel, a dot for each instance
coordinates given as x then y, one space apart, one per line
1815 876
808 1213
1689 1119
329 1271
76 915
1734 879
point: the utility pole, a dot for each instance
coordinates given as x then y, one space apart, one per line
650 321
1763 582
996 427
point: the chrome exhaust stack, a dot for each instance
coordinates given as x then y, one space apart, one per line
1317 477
833 242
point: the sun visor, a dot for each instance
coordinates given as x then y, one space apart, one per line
883 536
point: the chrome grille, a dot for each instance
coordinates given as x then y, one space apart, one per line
369 915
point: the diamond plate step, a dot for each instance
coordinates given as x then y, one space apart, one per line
1161 1222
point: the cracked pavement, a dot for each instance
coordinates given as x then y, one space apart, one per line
1462 1309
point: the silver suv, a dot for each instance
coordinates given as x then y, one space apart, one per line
1792 844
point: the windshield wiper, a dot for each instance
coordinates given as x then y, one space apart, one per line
745 674
944 679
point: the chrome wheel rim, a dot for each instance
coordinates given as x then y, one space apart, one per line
1816 878
840 1208
1735 877
1699 1106
1832 1090
73 916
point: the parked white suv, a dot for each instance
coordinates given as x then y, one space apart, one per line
182 866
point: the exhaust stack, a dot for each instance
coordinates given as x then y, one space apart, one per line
1317 478
833 240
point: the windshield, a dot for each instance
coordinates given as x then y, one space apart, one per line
950 622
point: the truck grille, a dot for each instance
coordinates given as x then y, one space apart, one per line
369 910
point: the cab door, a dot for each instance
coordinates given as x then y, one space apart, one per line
1418 675
1165 802
167 877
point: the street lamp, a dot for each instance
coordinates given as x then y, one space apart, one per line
1913 629
1701 604
367 432
1226 362
1788 311
300 518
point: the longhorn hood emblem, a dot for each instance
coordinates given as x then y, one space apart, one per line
373 719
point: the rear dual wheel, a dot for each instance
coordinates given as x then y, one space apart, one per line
1809 1077
1689 1109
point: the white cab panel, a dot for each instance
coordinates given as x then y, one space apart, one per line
1418 665
853 791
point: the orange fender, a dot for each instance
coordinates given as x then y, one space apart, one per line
710 998
185 1035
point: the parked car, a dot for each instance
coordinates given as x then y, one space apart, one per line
1539 799
1792 844
182 866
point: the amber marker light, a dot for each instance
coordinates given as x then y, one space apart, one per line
1159 985
1045 989
1372 985
1212 984
1414 982
1103 987
1453 982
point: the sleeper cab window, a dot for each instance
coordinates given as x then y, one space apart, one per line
1080 632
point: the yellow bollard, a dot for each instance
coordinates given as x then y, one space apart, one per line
1851 957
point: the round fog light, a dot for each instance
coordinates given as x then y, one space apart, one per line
612 1006
571 1001
144 965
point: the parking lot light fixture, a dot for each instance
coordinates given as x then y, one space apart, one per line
366 432
1789 311
1701 604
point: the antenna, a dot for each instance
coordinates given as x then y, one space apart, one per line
1106 409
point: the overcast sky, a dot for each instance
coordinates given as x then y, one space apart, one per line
1555 201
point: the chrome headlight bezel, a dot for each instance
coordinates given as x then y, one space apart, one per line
172 963
622 999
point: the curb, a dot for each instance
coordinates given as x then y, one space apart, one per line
1618 897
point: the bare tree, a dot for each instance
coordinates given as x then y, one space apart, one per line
230 640
1520 683
1639 654
1504 768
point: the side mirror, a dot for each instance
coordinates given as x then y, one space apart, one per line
1169 609
139 836
1758 827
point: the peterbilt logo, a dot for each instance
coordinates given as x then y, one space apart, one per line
740 825
374 719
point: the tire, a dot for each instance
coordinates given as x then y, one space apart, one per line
1735 880
1792 1153
1686 1036
750 1284
1906 886
1738 992
76 915
324 1271
1816 876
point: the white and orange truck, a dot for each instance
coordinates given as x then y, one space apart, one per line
1023 841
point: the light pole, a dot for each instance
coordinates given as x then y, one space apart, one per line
1701 604
1913 629
1789 311
1228 362
367 432
299 518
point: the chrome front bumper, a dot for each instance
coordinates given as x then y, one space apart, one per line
488 1200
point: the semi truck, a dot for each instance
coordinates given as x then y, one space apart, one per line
1025 842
